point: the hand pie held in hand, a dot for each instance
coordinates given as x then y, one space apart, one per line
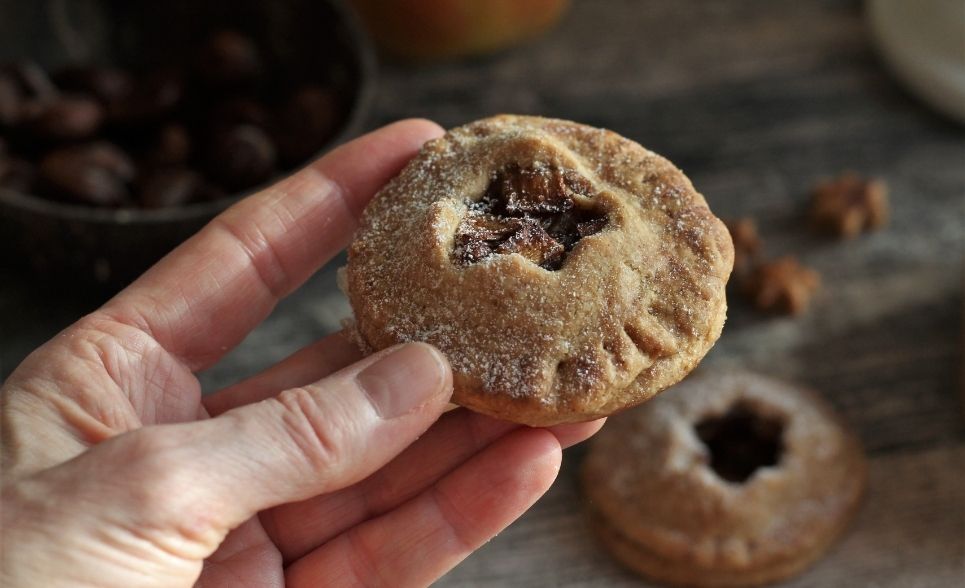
565 271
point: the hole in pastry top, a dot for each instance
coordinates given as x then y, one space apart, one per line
538 211
741 441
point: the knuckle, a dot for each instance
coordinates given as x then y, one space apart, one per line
454 519
315 438
170 506
253 238
365 565
107 334
155 460
149 444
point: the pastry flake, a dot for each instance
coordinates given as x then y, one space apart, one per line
782 286
849 205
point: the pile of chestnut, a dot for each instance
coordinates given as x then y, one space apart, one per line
109 137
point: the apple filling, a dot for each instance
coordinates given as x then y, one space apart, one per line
539 212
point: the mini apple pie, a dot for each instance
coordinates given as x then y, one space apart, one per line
730 479
565 271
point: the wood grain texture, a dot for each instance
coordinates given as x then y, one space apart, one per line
910 533
755 100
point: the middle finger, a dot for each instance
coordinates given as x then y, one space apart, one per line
300 527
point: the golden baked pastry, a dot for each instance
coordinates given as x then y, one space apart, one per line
728 479
565 271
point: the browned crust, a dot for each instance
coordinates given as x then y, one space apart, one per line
632 310
641 560
663 513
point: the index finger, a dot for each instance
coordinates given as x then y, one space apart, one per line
206 295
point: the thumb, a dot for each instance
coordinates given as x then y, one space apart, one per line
192 483
328 435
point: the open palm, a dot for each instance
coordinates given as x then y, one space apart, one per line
326 469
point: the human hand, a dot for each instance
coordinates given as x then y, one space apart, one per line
317 471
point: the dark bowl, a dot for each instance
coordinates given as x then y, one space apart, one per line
98 248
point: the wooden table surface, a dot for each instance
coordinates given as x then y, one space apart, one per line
755 100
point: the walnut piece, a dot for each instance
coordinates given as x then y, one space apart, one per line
849 205
782 286
538 212
747 243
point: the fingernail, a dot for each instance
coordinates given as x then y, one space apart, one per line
404 379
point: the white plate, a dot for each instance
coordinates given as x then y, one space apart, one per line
924 43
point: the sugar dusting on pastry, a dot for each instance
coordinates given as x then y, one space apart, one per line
665 507
626 312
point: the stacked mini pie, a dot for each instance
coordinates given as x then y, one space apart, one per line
728 479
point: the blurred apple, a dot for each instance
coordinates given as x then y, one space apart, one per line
433 29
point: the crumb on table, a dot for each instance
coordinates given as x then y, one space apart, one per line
849 204
782 286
